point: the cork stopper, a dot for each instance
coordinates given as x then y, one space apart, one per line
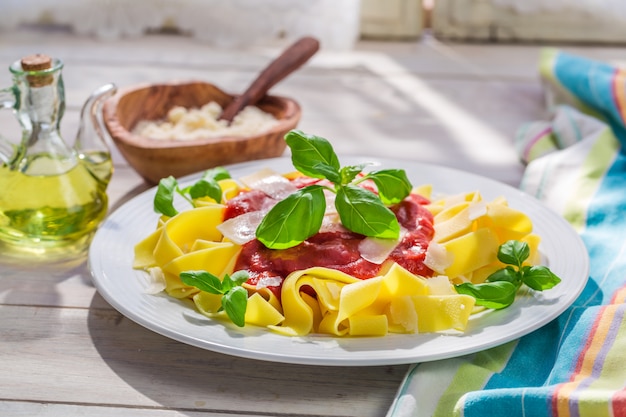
37 62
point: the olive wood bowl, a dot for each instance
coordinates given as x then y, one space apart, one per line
157 159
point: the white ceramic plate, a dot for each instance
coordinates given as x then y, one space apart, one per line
111 257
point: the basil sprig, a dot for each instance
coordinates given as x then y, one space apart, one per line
300 216
500 288
206 186
234 296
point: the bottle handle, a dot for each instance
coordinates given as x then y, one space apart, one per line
7 98
91 135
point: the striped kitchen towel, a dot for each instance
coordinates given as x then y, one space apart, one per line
575 365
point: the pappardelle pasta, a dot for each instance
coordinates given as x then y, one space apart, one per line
337 281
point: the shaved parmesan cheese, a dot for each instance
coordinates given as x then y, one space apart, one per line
270 182
454 200
156 281
268 282
477 209
402 312
330 202
440 285
376 250
242 229
332 223
437 257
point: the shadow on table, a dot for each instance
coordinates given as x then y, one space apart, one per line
37 285
186 378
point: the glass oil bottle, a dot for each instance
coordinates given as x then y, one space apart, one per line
52 194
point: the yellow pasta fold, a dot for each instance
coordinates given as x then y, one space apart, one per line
344 305
328 293
188 241
190 225
533 241
330 325
452 223
468 233
399 282
366 325
425 190
144 250
471 251
213 259
209 304
315 309
437 206
508 223
436 313
166 249
174 287
261 313
299 317
357 296
264 292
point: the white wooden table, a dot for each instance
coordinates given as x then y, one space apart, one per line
65 352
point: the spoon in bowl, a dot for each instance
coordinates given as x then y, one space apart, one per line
290 60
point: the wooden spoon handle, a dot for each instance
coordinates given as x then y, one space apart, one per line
291 59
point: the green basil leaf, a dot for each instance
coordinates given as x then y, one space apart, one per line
206 188
202 280
307 151
240 277
508 274
514 252
227 284
235 303
393 185
494 295
362 212
216 174
328 172
294 219
540 278
184 191
349 173
164 197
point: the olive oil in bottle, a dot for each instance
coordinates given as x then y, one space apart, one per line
52 195
55 215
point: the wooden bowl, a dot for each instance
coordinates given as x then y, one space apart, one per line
156 159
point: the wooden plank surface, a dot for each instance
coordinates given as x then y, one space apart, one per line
96 356
30 409
65 352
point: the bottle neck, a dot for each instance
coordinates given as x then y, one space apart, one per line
41 108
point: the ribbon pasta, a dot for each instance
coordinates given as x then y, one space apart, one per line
397 301
468 233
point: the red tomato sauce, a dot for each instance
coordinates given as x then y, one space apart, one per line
336 250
